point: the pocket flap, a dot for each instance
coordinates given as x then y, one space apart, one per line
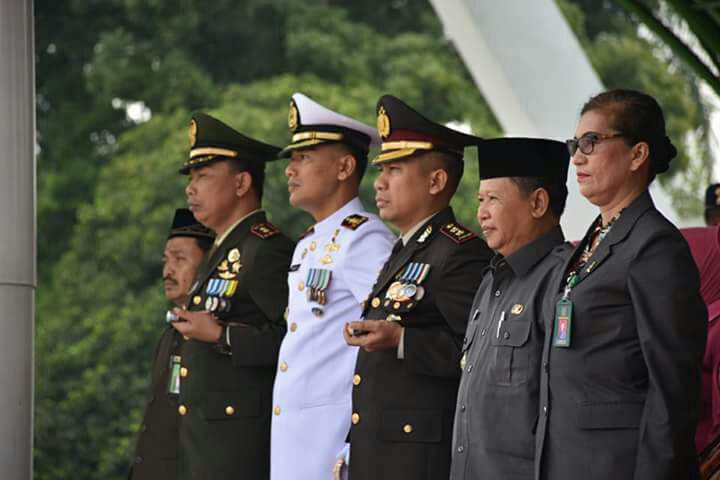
616 415
417 426
229 405
514 332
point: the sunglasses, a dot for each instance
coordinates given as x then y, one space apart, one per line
586 143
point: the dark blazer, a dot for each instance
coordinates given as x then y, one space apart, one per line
225 399
622 401
403 409
157 444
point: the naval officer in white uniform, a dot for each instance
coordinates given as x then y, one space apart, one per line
334 266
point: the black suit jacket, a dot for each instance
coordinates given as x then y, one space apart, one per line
403 409
622 401
225 399
157 444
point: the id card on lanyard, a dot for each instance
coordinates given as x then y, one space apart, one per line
562 331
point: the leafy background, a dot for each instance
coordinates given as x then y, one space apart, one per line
108 184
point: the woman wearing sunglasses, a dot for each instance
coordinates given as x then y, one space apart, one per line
625 342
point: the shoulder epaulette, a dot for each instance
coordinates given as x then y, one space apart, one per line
354 221
264 230
307 232
457 233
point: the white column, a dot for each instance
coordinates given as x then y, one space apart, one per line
17 237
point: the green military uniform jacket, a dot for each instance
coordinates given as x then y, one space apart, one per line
403 408
157 444
226 393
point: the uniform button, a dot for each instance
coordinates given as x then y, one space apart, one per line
375 302
301 286
408 428
545 410
183 372
138 459
545 366
497 293
482 332
469 369
293 326
355 418
462 408
283 367
506 335
182 410
276 410
229 410
357 379
461 449
186 338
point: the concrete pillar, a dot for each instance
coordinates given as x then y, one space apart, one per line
17 237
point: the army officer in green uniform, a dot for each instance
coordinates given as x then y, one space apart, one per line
407 371
234 317
157 445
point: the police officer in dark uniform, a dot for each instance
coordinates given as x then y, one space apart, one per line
156 449
521 198
234 317
712 204
407 372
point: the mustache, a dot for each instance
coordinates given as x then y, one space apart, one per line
169 279
293 184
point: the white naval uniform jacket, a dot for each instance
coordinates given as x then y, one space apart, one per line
312 392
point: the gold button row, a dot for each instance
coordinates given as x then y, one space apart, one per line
355 418
357 379
276 410
283 367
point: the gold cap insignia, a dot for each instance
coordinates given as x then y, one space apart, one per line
192 134
293 117
517 309
383 123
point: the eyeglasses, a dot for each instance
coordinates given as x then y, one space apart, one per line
587 142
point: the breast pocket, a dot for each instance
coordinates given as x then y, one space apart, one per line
509 351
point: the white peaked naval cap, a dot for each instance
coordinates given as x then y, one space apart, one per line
312 124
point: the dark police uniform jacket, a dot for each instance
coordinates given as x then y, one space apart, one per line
497 404
157 443
622 401
403 408
225 399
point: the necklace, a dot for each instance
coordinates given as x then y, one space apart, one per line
598 234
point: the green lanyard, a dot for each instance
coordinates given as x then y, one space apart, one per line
563 308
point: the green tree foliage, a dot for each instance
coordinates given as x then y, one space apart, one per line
108 186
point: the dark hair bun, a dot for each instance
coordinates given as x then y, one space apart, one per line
665 152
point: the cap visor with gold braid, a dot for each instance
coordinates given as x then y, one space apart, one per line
212 140
405 132
313 124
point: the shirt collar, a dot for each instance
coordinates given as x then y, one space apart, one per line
220 238
523 260
327 224
409 234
